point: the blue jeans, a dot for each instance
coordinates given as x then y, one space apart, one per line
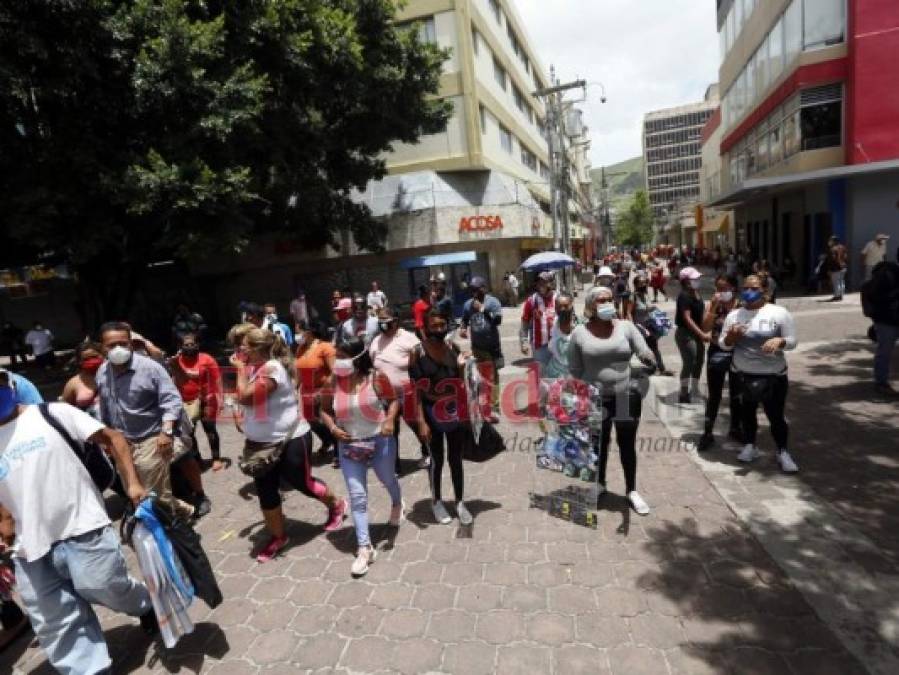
59 588
838 282
356 476
886 340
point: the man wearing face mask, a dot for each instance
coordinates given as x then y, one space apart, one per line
25 391
138 398
537 318
360 324
758 333
483 313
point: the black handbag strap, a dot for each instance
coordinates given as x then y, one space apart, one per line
44 409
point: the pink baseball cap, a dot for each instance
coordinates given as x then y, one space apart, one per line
689 273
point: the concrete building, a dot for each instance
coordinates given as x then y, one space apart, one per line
473 199
672 158
809 125
714 226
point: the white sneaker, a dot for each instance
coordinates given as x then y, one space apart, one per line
640 506
787 464
748 454
397 514
465 517
365 557
440 513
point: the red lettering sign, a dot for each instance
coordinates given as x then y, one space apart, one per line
480 224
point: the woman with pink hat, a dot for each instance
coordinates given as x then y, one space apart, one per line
689 336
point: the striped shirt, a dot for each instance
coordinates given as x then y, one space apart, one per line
537 319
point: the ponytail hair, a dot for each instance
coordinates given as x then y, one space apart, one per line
274 347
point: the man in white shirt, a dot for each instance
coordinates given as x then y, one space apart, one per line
513 285
40 340
67 553
376 299
874 253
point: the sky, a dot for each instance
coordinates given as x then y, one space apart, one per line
648 54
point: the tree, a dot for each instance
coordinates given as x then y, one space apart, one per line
132 130
634 224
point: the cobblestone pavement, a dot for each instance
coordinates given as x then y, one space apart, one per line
692 588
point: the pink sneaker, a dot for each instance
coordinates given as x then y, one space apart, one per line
336 515
272 548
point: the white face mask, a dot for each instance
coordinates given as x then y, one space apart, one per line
606 312
300 339
726 296
694 284
119 355
343 367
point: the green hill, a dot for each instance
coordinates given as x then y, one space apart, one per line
623 179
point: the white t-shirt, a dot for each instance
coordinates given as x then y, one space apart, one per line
270 421
768 322
43 484
513 282
41 341
874 253
376 299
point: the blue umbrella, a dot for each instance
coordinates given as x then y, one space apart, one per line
547 260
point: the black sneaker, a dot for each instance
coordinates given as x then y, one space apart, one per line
684 397
148 623
706 442
204 506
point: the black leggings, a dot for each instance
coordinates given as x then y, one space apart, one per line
212 435
10 614
294 467
774 407
413 426
652 341
446 443
715 379
324 435
625 432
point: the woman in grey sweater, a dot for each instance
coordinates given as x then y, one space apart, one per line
600 353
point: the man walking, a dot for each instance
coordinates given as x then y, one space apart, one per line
68 555
40 340
376 299
874 253
537 320
483 313
882 295
837 259
139 398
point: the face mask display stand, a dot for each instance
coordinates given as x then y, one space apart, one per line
565 481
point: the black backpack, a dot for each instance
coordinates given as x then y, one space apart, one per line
102 471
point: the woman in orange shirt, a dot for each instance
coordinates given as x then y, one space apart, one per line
315 363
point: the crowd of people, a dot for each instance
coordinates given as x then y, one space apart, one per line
350 379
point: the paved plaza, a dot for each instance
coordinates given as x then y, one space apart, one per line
736 570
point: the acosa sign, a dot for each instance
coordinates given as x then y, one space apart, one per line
480 224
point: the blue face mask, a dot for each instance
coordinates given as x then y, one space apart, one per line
751 296
7 401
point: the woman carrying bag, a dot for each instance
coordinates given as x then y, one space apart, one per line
278 439
719 361
758 333
639 309
361 414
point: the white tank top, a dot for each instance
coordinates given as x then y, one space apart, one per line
360 414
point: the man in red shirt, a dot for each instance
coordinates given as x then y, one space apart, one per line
537 319
420 310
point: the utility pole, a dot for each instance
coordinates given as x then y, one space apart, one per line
559 166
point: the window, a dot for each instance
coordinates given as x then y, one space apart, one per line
505 139
793 31
529 159
775 146
776 51
427 31
499 73
482 113
520 103
475 41
497 12
823 23
544 171
821 117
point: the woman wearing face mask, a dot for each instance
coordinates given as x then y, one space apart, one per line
600 353
719 361
638 310
390 352
315 365
272 418
560 336
758 333
199 381
81 389
436 369
361 414
689 335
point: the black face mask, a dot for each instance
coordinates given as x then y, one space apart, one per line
437 335
565 314
190 351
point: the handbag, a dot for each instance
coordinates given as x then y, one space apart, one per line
757 388
488 445
359 450
259 458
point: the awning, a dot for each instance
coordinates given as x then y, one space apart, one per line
717 223
758 188
439 259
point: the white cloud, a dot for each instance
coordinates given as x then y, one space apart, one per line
649 54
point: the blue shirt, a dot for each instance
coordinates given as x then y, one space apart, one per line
26 392
139 399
